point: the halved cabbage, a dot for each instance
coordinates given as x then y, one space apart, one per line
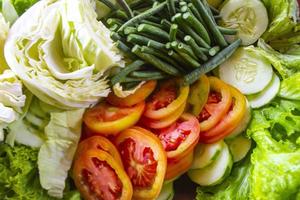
62 53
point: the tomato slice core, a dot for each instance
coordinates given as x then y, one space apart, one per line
164 97
100 189
174 135
139 163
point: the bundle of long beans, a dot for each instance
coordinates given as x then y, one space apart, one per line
168 38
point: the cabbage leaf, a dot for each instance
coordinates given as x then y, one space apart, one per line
62 53
56 154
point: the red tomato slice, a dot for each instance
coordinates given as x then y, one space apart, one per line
164 122
144 161
230 121
109 120
218 104
177 168
100 143
90 170
167 100
180 138
140 95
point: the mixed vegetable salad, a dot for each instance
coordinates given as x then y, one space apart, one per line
115 99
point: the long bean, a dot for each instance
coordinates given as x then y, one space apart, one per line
187 49
156 45
213 51
173 32
227 31
137 64
112 21
123 47
210 23
153 31
212 63
153 24
156 62
160 55
171 7
176 57
145 74
197 25
195 12
109 4
120 14
189 31
138 39
143 15
126 7
129 79
199 53
130 30
115 36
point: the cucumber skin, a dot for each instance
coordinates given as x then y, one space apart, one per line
226 172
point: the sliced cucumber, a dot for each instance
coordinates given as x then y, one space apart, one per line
167 192
206 154
265 96
243 124
247 71
239 147
249 17
214 173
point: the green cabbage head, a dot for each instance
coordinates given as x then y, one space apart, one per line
62 53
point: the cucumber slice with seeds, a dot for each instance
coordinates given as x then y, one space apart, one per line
206 154
267 95
247 71
249 17
214 173
239 147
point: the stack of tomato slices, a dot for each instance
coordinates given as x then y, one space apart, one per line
132 145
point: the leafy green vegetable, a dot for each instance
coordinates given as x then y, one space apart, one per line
12 99
282 16
235 187
19 178
62 53
285 64
19 174
276 159
56 154
290 87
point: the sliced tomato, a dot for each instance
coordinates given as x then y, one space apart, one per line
230 121
166 100
100 143
144 161
198 95
218 104
164 122
107 120
140 95
180 138
176 168
98 176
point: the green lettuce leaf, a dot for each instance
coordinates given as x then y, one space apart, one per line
276 158
282 16
56 154
285 64
235 187
19 177
290 87
62 53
